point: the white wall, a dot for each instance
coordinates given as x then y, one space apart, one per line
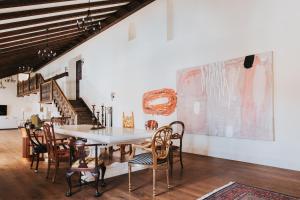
18 109
204 31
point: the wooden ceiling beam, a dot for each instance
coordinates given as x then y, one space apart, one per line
18 3
51 26
41 11
38 39
39 34
12 49
57 17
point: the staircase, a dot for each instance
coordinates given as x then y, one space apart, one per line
76 111
84 114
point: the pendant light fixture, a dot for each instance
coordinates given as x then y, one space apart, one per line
88 23
46 53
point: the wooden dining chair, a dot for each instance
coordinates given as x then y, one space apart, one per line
151 125
57 149
176 150
38 147
86 160
155 157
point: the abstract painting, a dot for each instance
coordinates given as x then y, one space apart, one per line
160 102
233 98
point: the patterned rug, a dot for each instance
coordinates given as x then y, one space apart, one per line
237 191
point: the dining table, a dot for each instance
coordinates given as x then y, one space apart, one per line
107 137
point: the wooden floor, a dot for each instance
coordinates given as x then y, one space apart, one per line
200 176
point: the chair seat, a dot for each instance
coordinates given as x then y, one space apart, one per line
145 159
63 153
90 163
40 149
175 148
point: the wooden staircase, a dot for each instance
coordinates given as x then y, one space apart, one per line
84 114
76 111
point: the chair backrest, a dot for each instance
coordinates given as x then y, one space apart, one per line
31 136
178 130
151 125
50 140
161 141
59 120
128 121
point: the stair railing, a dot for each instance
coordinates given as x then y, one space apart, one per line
51 92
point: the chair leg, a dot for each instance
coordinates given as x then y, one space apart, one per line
48 169
32 160
154 182
103 169
97 176
181 162
171 162
68 177
55 171
37 163
129 178
80 179
168 180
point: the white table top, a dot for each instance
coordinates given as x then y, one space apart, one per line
108 136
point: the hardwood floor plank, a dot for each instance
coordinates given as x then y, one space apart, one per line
200 176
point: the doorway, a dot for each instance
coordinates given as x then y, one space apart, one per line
78 77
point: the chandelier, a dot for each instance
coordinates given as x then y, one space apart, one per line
10 80
1 85
88 23
25 69
46 53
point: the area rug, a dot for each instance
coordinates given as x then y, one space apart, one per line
237 191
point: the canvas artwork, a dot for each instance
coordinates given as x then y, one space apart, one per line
229 98
160 102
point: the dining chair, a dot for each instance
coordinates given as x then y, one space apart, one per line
57 149
86 160
38 147
151 125
176 150
156 155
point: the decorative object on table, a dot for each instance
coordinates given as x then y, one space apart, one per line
96 119
38 147
128 121
165 108
178 132
36 121
233 98
46 53
156 156
88 23
151 125
57 149
237 191
85 163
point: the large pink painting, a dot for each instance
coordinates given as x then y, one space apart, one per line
228 99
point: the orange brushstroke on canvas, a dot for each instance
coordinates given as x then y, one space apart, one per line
160 108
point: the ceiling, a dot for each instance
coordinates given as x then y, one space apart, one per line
24 24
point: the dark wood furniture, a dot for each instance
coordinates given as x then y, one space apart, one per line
38 147
84 162
57 149
176 150
156 156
